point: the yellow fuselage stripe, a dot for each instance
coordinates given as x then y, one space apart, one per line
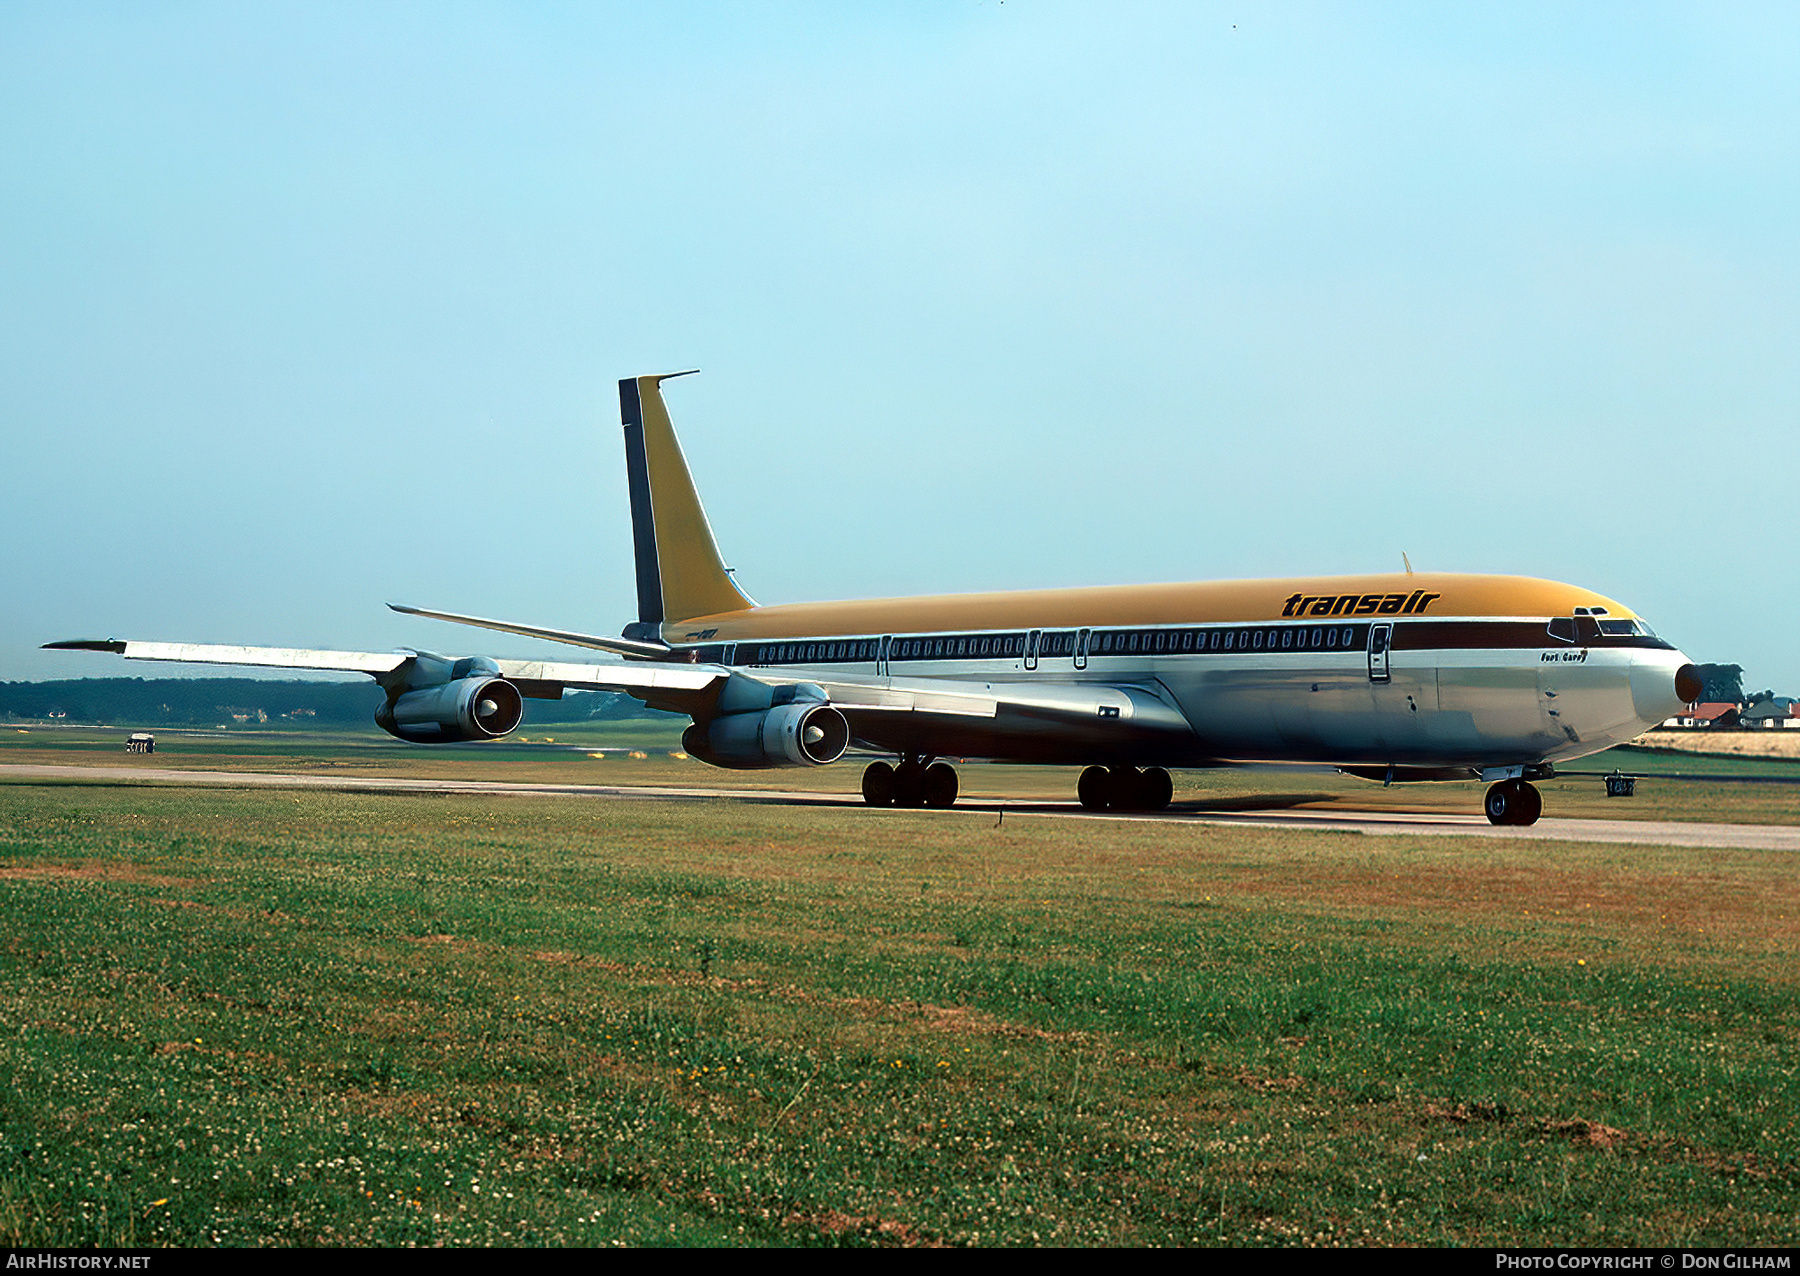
1200 602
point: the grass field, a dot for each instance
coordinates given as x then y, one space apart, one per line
292 1018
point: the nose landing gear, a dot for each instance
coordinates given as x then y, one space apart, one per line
1513 802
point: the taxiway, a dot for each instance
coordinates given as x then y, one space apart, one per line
1769 837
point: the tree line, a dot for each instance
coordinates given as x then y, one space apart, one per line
211 702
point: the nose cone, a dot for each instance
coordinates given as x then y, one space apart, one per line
1663 685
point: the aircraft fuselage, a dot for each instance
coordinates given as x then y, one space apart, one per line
1417 672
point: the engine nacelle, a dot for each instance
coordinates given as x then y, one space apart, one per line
801 733
470 708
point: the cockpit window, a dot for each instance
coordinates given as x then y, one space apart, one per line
1626 629
1562 628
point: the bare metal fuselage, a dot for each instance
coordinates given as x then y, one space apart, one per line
1384 701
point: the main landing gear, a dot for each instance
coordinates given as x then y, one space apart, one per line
1123 788
1513 802
912 783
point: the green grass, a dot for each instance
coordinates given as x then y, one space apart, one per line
277 1018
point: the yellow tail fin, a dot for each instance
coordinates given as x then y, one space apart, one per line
680 575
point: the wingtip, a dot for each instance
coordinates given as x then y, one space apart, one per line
113 645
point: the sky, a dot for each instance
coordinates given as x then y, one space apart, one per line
305 309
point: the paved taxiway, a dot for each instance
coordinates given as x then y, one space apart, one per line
1767 837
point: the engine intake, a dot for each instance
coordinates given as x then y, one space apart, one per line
475 708
803 733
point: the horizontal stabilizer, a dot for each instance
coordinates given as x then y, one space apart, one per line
619 646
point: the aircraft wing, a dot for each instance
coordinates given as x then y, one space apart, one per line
632 677
974 719
544 679
370 662
662 686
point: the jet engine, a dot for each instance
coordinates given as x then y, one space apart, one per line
435 701
805 731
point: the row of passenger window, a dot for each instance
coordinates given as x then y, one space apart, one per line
1051 645
1126 642
865 650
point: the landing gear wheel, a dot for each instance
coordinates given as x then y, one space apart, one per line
1513 802
1159 789
939 786
1531 804
1125 789
909 784
1499 803
878 784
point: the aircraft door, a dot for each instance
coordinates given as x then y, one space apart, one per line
1081 642
881 656
1031 648
1381 638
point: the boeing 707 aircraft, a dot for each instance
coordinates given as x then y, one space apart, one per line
1390 677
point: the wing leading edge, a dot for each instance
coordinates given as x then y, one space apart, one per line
924 715
632 678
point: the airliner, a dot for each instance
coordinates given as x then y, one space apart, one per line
1395 677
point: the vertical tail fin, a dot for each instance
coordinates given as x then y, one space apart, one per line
679 572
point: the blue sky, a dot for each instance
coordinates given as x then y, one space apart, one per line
306 309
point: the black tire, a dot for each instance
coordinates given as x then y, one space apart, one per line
1125 788
1531 804
878 784
1513 802
1159 789
909 784
939 786
1093 788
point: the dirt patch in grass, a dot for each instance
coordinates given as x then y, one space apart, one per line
130 874
1585 1133
868 1228
454 943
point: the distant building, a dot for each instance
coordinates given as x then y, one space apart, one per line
140 742
1775 712
1712 714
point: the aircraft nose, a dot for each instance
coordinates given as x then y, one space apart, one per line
1663 688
